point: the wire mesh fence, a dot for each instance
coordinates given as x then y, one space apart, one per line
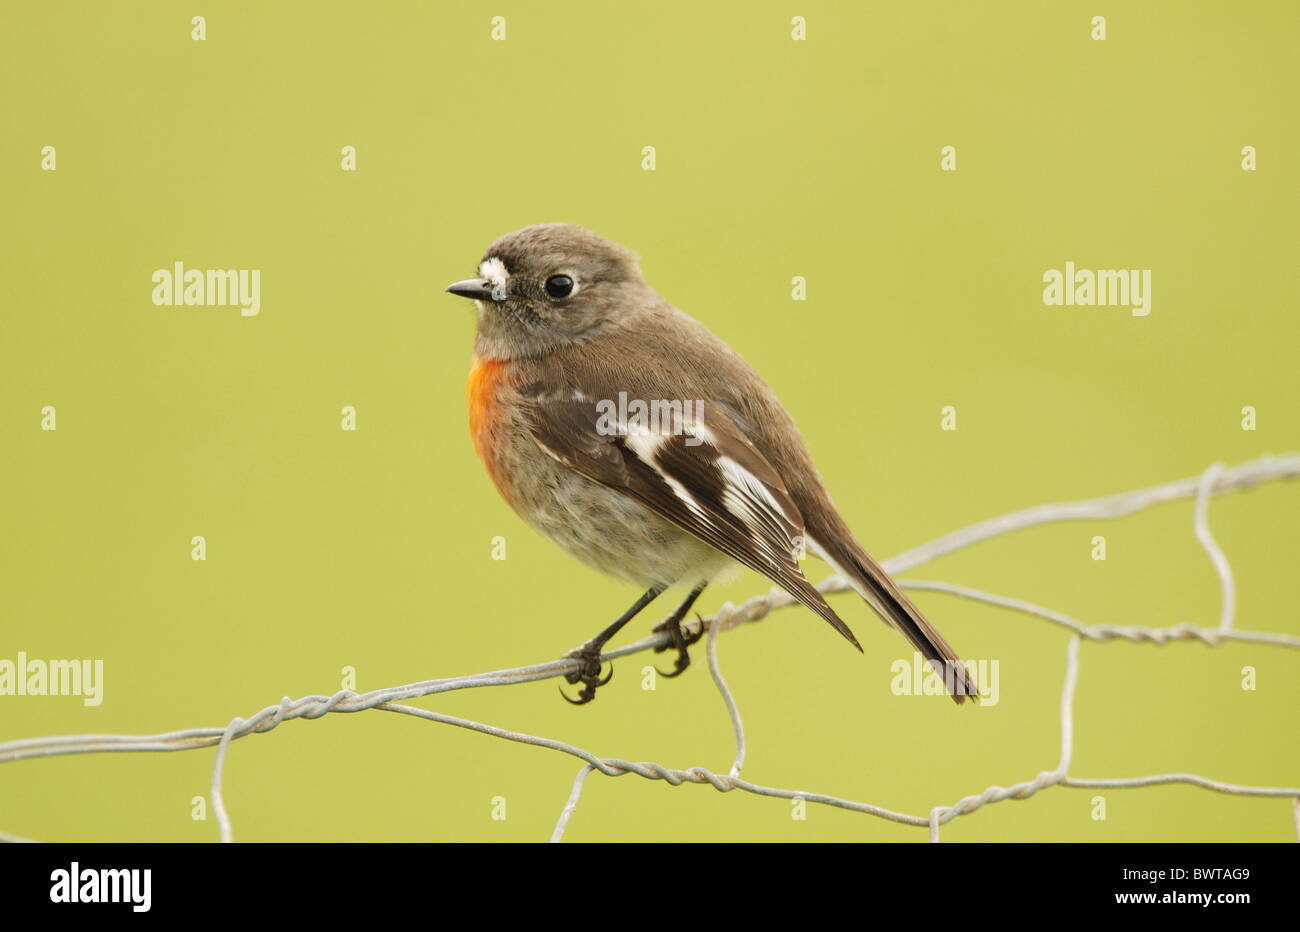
1216 480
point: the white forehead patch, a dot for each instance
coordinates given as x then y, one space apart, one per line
494 270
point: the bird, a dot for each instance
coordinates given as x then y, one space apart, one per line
630 435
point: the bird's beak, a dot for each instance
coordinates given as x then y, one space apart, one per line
478 288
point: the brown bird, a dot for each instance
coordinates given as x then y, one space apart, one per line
644 446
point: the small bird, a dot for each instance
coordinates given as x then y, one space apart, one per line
644 446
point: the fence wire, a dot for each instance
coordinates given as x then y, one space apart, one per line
1216 480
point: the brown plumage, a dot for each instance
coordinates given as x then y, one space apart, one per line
728 478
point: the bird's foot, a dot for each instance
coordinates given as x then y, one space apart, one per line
588 674
680 640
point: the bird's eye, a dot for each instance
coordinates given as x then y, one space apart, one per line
559 286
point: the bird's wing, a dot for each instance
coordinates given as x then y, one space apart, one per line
695 469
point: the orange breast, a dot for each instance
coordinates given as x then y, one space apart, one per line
484 407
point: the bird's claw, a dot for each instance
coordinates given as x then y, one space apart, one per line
679 641
588 675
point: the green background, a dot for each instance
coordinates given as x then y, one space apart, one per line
775 158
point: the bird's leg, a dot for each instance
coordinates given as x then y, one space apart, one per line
673 625
589 673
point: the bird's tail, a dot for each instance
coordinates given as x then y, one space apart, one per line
870 580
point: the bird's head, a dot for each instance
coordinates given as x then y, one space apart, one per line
548 285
